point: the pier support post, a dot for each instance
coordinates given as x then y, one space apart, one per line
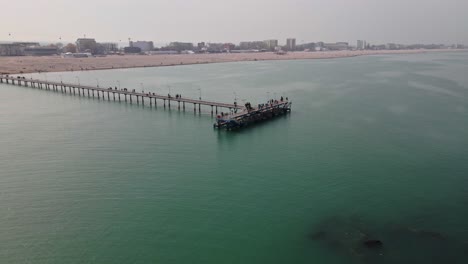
151 102
194 107
98 95
179 105
216 109
143 100
183 105
108 97
211 110
125 97
199 108
130 98
137 100
113 95
164 103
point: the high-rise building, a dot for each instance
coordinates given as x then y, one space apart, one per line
271 44
253 45
143 45
291 44
86 45
361 45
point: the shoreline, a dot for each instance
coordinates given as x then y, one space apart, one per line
29 64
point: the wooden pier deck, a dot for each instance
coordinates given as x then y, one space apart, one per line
121 94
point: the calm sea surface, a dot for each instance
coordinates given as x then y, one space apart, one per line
375 148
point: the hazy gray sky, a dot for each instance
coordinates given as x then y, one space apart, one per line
378 21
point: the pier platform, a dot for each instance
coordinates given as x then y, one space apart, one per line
251 115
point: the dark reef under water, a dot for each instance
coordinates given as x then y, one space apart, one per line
361 242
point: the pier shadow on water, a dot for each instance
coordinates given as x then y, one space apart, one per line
358 241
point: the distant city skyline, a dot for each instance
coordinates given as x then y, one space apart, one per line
162 21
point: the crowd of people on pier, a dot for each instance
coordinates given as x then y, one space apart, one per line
248 106
272 102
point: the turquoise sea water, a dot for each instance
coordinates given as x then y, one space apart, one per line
375 148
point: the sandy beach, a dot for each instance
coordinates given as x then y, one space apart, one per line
25 64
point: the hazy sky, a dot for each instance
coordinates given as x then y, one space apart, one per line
378 21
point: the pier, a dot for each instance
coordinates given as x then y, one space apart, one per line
111 94
239 116
252 115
